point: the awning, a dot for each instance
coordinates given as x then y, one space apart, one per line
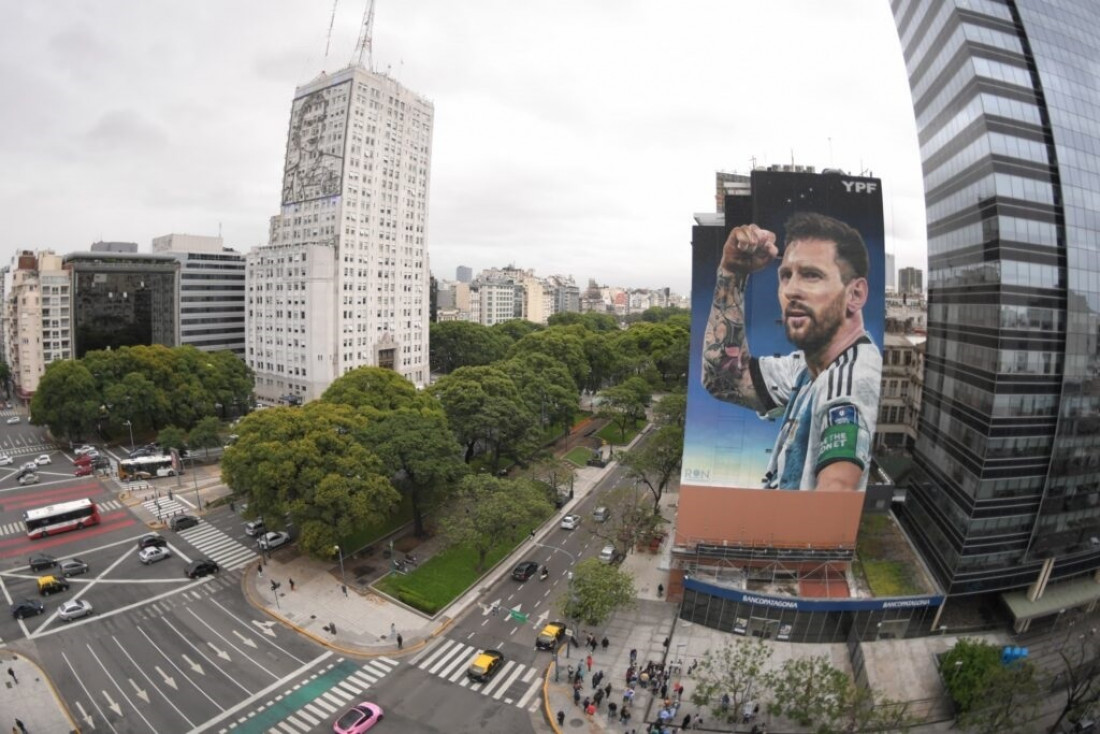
1065 595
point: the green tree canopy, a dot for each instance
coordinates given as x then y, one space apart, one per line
515 329
545 386
485 412
205 435
66 400
590 320
565 344
309 465
597 591
376 390
486 511
456 344
172 437
419 451
733 671
655 461
808 691
658 351
624 404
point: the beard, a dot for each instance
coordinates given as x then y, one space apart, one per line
819 328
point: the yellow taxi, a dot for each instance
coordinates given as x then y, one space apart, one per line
485 665
550 636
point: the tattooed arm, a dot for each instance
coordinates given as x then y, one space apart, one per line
725 343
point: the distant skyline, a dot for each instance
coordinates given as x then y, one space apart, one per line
574 139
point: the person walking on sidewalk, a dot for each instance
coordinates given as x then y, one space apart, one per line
561 718
12 674
588 662
605 642
576 696
633 656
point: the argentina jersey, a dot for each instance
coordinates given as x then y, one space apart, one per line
825 419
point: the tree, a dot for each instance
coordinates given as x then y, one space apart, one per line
546 388
624 404
556 474
563 343
988 695
456 344
419 451
657 351
172 437
515 329
729 677
597 590
671 409
136 399
487 510
5 377
807 691
861 710
632 522
1080 674
376 390
66 400
205 434
309 465
655 461
590 320
485 410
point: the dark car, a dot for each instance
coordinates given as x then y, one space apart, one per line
42 561
485 665
525 570
150 540
182 522
201 567
27 608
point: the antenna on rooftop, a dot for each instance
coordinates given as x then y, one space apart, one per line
331 21
363 45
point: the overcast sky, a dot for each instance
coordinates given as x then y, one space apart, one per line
576 137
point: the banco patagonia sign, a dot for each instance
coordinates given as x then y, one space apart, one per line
798 604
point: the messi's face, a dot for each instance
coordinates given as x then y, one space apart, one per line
812 293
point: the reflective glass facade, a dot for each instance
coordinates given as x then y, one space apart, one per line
1008 114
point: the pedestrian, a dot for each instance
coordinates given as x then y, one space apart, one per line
697 723
590 710
586 703
624 716
400 641
19 724
633 655
393 629
561 718
607 690
598 698
605 642
569 673
664 691
665 643
660 590
687 722
588 661
644 679
232 506
612 710
576 696
291 584
12 674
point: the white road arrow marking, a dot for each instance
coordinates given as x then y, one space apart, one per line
540 622
194 666
492 605
112 705
138 692
220 653
265 627
246 640
168 680
85 715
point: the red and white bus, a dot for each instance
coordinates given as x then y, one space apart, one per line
60 518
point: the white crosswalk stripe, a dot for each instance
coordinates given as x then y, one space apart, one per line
451 658
218 546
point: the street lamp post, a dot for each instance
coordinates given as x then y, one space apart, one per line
195 477
130 425
343 579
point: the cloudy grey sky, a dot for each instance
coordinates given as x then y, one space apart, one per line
574 137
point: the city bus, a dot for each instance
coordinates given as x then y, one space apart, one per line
60 518
148 467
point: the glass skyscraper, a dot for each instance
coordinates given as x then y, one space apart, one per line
1007 102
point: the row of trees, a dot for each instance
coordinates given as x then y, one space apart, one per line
152 387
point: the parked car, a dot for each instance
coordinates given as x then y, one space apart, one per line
84 460
151 540
609 554
256 527
43 459
29 466
71 610
182 522
5 460
485 665
13 420
201 567
41 561
27 608
51 585
152 554
359 719
273 540
81 450
570 522
601 514
525 570
73 567
29 478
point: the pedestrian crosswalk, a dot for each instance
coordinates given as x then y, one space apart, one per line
514 684
315 699
163 508
37 448
215 544
17 528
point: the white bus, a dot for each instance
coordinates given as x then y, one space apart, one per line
148 467
60 518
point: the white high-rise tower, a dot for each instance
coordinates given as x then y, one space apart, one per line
344 281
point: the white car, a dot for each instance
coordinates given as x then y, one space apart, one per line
43 460
30 466
5 460
71 610
273 540
14 419
152 554
85 449
570 522
28 479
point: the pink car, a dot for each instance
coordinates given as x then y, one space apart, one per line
362 717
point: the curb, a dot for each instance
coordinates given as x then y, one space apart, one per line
53 689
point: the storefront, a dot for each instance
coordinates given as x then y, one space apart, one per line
799 619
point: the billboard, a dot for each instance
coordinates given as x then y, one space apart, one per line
788 308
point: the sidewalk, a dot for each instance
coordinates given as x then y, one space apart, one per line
32 699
